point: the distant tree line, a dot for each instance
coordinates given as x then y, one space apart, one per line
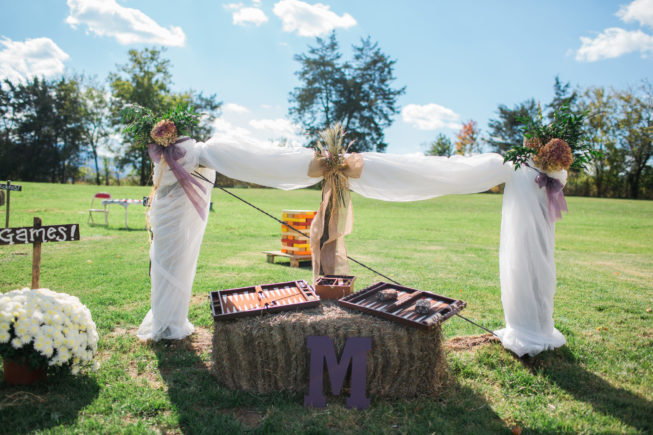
51 129
618 122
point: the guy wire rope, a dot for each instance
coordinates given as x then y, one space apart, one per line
200 176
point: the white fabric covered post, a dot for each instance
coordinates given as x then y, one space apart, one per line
528 271
177 236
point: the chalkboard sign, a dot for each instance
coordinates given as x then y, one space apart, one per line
14 187
44 234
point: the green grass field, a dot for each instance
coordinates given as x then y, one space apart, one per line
600 382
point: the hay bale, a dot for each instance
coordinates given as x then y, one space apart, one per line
268 353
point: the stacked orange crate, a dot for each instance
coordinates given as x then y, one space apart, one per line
292 242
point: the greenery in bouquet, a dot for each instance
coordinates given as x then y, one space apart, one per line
47 329
559 144
331 148
144 126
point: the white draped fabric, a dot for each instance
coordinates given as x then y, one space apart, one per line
412 178
177 235
279 167
527 267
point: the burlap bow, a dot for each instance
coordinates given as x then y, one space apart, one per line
328 241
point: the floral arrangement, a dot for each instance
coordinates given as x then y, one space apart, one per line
331 149
164 132
145 126
46 329
554 156
557 145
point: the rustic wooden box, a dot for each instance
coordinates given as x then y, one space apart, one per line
334 286
270 298
402 309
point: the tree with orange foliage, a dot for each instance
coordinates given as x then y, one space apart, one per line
467 141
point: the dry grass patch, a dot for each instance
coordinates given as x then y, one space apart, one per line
468 342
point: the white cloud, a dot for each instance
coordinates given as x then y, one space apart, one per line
430 116
21 60
614 42
225 128
234 108
278 127
267 132
310 20
127 25
243 15
639 10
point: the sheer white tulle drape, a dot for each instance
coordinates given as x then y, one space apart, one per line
527 268
177 236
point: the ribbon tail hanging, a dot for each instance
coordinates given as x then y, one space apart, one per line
556 202
192 188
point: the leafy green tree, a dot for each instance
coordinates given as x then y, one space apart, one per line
635 133
507 131
601 132
441 146
145 80
358 93
69 127
8 118
96 121
42 136
563 96
467 141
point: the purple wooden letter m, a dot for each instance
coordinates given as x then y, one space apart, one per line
354 353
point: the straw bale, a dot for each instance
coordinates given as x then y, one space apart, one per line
268 352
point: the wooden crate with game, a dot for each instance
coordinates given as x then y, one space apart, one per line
264 298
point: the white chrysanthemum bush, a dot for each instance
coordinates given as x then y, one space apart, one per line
45 327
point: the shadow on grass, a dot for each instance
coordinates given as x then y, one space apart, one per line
25 409
203 406
562 368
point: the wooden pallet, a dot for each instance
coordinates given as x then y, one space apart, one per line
294 259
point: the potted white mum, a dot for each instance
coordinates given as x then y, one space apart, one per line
44 330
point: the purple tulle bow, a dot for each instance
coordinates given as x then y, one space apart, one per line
172 153
556 198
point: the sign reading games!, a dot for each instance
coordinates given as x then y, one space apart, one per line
44 234
9 186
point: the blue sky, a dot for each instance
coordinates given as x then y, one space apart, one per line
458 59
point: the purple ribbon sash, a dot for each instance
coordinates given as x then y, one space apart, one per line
554 194
171 154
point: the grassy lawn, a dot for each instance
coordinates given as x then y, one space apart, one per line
600 382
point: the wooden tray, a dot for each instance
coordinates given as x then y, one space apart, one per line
270 298
334 286
402 309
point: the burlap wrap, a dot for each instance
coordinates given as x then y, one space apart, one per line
330 255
